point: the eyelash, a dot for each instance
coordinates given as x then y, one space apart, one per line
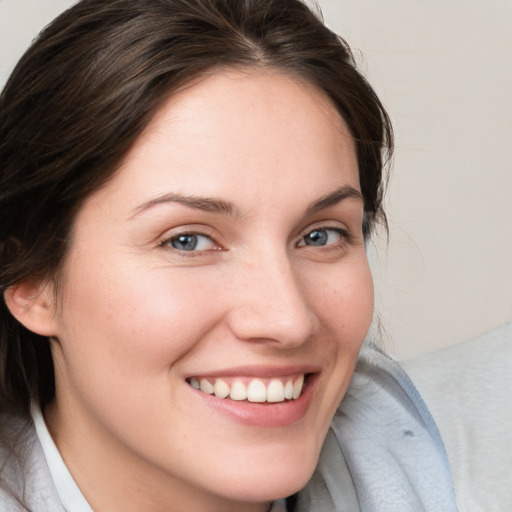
166 243
346 238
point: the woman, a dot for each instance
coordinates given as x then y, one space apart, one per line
187 187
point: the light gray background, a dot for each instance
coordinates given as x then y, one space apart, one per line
443 68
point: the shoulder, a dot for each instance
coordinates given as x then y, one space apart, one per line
468 389
25 482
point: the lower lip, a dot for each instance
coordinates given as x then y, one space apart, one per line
269 415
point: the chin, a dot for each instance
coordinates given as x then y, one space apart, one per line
270 488
275 477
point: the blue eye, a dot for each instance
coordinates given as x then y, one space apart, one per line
322 237
191 242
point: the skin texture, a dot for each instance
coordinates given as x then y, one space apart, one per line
134 317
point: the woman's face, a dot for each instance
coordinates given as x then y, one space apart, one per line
227 252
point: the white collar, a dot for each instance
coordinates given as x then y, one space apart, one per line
69 494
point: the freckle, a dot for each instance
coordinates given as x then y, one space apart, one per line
408 433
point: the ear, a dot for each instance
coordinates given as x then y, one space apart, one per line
32 304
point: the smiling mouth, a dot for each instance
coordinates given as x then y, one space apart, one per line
254 390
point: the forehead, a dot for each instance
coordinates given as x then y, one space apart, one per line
234 131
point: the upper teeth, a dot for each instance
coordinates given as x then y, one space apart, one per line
256 390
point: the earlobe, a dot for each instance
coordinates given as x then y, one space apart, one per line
32 304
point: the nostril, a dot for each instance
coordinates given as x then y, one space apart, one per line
289 326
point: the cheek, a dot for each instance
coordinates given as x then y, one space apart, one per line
131 319
344 301
345 310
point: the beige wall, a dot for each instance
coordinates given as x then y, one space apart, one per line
444 70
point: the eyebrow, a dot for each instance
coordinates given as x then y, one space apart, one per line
333 198
205 204
220 206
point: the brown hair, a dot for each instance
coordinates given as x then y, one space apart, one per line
85 90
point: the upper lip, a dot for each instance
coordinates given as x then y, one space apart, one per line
259 371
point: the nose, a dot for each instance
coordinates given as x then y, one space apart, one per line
270 304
